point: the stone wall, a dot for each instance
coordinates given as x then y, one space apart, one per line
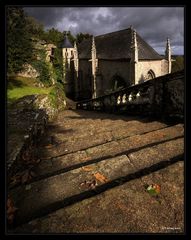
107 69
27 120
158 67
110 68
85 79
29 72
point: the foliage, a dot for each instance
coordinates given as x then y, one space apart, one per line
35 28
53 36
71 38
16 93
81 36
43 67
43 70
19 46
178 64
24 38
58 64
18 87
57 96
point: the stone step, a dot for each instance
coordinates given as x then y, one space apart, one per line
69 124
50 194
90 139
125 208
111 149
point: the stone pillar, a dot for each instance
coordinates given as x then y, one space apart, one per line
134 59
94 67
168 55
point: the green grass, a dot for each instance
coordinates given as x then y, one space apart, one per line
18 87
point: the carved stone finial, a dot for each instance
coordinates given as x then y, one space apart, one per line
168 54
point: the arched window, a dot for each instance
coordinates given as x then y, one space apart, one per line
118 82
150 74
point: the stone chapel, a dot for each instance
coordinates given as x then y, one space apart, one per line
109 62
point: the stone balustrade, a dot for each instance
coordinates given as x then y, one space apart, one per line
162 96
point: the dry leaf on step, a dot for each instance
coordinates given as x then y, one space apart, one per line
100 177
48 146
10 210
87 169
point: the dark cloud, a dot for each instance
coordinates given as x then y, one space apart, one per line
154 24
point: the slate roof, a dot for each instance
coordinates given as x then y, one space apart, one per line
66 43
117 45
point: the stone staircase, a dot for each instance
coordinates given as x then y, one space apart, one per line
90 174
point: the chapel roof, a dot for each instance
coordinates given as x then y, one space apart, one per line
117 45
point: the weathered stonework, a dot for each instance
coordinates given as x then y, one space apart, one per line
27 120
110 61
161 97
29 71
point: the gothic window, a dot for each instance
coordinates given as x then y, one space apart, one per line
150 74
118 82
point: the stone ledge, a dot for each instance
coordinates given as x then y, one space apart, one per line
26 123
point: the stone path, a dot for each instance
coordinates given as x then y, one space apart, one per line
92 173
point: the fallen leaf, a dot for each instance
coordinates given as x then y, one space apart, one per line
86 159
10 218
83 183
48 146
26 176
10 210
93 184
15 179
153 189
89 184
100 177
157 188
38 160
87 169
25 156
32 174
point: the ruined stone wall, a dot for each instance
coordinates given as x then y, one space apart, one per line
29 72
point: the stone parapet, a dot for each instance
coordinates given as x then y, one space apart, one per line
162 97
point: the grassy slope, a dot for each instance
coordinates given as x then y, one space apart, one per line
18 87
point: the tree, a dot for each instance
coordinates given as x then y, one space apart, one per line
19 45
178 64
81 36
58 64
35 28
53 36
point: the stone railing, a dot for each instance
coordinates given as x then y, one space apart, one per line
162 96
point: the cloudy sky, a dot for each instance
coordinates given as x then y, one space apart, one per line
154 24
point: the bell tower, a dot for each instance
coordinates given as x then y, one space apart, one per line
68 55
